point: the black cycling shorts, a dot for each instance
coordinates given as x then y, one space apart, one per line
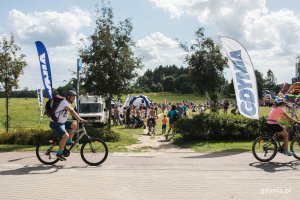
275 128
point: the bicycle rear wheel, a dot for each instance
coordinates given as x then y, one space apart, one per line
264 148
47 154
94 152
295 147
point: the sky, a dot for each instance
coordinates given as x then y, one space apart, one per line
268 29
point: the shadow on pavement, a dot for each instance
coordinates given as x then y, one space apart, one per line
227 152
14 160
273 167
38 169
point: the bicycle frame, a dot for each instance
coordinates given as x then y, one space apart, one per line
292 133
80 133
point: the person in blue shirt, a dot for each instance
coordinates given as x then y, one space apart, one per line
184 109
173 116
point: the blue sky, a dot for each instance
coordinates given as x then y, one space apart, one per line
269 29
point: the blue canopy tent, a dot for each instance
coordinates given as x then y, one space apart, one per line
140 101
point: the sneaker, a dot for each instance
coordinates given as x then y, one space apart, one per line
61 157
70 143
288 153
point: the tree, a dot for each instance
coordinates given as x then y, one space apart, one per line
168 84
206 65
180 80
270 81
12 64
109 57
260 83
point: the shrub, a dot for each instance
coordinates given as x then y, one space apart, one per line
104 134
218 126
26 136
33 136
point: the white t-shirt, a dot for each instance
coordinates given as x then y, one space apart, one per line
61 113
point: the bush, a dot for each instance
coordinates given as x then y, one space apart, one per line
218 126
35 136
26 136
104 134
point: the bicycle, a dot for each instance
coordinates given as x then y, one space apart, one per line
151 128
91 149
265 147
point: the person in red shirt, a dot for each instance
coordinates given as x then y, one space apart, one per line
274 116
164 124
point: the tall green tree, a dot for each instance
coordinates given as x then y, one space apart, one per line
109 57
206 65
12 64
260 83
270 80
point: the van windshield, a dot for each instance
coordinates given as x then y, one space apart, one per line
90 108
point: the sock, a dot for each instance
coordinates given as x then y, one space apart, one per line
60 152
70 141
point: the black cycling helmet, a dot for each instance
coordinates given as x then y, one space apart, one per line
70 93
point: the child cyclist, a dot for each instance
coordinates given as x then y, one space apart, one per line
164 124
274 116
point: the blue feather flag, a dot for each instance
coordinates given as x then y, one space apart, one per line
45 68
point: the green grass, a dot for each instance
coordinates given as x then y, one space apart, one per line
215 146
24 113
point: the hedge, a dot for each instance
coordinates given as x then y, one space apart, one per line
33 136
218 126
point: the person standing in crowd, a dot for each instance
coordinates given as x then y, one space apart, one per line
225 105
201 109
294 111
116 116
173 116
179 109
184 108
164 124
127 117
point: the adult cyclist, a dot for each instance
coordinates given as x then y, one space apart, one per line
63 124
274 116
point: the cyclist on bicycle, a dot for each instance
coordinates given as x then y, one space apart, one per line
64 124
151 117
273 123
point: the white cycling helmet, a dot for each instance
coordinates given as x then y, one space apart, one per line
278 101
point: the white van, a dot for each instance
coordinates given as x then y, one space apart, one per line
91 108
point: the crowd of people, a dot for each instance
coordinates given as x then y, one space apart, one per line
143 116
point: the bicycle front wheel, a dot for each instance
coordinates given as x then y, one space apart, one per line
295 147
47 155
94 152
264 148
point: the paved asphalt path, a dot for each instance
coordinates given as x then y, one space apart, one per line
154 175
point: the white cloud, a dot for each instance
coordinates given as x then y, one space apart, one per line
157 49
272 36
53 28
59 31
